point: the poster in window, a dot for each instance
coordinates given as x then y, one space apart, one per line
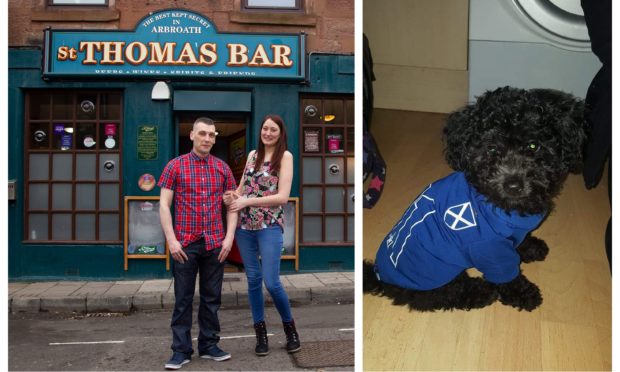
311 141
237 150
144 236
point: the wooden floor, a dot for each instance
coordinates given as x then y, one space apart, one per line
570 331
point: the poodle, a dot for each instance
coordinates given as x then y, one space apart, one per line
511 152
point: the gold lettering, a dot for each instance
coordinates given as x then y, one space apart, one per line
129 53
280 56
187 55
238 55
63 53
159 56
208 54
90 47
260 57
112 53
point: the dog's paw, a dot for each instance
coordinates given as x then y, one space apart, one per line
533 249
520 293
478 294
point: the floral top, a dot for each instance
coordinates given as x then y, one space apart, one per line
256 185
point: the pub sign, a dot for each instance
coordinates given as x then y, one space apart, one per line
173 43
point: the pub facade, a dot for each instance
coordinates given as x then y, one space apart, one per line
102 94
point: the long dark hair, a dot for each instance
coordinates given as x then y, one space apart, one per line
281 146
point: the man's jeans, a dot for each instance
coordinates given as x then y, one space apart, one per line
266 243
211 272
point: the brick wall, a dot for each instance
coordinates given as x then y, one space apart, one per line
329 24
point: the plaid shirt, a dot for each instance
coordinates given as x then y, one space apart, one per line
198 186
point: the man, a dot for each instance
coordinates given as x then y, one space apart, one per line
197 182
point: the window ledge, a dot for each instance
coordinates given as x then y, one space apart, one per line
74 15
291 19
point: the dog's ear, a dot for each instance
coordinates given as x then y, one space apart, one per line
456 135
568 118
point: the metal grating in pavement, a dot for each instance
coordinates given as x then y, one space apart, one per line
321 354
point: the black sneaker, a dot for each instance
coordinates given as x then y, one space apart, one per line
215 353
177 360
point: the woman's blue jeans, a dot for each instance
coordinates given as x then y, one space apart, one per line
266 243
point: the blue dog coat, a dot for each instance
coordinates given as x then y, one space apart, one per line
448 228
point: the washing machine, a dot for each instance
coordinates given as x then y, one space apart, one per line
529 44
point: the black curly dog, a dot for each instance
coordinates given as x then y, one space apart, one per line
515 147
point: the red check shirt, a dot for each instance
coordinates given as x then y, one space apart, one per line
198 186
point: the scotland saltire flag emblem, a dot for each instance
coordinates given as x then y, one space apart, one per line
460 217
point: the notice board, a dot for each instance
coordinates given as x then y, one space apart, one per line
144 236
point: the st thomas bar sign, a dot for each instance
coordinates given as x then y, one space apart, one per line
173 43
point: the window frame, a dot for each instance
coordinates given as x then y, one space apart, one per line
299 7
323 153
74 212
50 3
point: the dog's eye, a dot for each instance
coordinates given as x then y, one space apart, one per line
492 150
532 146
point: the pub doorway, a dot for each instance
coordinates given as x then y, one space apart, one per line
230 146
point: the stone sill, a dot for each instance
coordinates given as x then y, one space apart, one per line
290 19
74 15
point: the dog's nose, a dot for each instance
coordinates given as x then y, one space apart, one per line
513 186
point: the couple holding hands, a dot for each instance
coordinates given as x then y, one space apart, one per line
199 184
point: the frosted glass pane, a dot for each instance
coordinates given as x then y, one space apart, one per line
312 229
39 167
38 195
350 201
85 169
351 170
108 175
61 227
312 199
312 170
108 227
85 227
334 170
334 199
108 196
334 229
84 197
37 227
62 195
351 228
62 167
272 3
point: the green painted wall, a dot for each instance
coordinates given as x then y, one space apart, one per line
327 74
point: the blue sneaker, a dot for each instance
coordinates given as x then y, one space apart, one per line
215 353
177 361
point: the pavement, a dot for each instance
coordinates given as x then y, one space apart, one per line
139 295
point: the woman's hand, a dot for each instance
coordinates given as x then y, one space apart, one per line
238 204
230 196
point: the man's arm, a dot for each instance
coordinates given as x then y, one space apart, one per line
165 216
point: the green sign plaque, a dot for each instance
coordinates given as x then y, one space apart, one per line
147 142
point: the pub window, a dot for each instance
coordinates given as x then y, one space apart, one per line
73 167
327 170
77 2
277 5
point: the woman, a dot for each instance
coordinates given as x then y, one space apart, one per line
264 188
